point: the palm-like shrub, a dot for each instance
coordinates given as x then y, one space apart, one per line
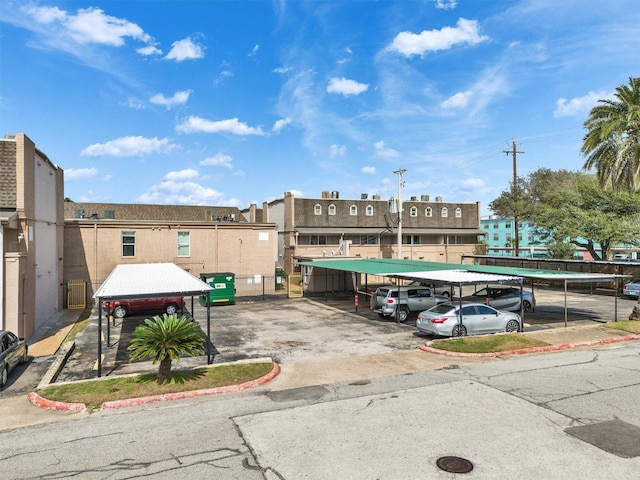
165 339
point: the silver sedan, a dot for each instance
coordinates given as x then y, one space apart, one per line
477 319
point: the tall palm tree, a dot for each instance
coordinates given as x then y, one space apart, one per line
612 141
165 339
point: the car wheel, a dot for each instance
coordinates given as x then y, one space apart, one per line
402 313
171 309
459 331
120 312
446 294
527 305
4 376
382 315
512 326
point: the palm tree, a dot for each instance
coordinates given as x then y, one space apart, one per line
612 141
165 339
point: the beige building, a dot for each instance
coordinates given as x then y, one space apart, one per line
432 230
31 236
200 239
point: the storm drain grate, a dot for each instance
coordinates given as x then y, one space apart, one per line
614 436
454 464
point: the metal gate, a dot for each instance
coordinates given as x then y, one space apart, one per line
294 286
76 294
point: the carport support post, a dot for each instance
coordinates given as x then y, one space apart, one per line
565 303
209 359
99 337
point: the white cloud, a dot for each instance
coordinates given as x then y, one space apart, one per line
460 99
195 124
346 87
369 170
185 49
186 174
172 192
446 4
72 174
90 25
149 50
254 51
129 147
383 151
222 77
218 160
337 150
179 98
280 124
465 32
133 103
282 70
473 183
579 105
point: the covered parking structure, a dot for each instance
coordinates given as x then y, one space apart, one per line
149 280
454 274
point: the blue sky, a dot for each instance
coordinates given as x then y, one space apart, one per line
236 102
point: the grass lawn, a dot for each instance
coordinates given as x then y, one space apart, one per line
488 343
631 326
93 393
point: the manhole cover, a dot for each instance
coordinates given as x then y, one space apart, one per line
454 464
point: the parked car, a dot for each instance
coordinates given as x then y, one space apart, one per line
442 289
477 319
621 257
122 308
503 298
632 289
399 301
13 350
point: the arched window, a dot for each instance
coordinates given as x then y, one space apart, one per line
317 209
369 211
353 210
413 211
428 212
458 212
332 209
445 212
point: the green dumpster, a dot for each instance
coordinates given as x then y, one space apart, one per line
224 288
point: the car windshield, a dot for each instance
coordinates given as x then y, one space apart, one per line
481 293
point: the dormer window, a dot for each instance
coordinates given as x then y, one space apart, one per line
317 209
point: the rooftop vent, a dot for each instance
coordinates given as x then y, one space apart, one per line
424 198
363 196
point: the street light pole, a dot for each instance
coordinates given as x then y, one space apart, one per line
399 172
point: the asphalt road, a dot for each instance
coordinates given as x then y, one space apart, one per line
561 415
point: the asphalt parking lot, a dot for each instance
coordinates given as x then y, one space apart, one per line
325 327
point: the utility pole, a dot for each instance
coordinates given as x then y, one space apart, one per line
514 152
399 172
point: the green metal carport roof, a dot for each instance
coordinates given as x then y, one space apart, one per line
459 274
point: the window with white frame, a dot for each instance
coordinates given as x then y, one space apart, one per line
413 211
368 239
428 212
444 212
331 209
458 212
317 240
184 244
128 244
353 210
317 209
455 239
369 211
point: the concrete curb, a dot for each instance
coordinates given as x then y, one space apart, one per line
57 365
523 351
38 401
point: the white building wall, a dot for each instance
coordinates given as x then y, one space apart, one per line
44 234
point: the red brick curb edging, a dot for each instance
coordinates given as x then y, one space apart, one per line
38 401
522 351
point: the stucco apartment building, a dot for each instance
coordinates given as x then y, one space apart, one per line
432 230
200 239
31 236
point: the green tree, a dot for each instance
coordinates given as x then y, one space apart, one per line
165 339
571 207
612 142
